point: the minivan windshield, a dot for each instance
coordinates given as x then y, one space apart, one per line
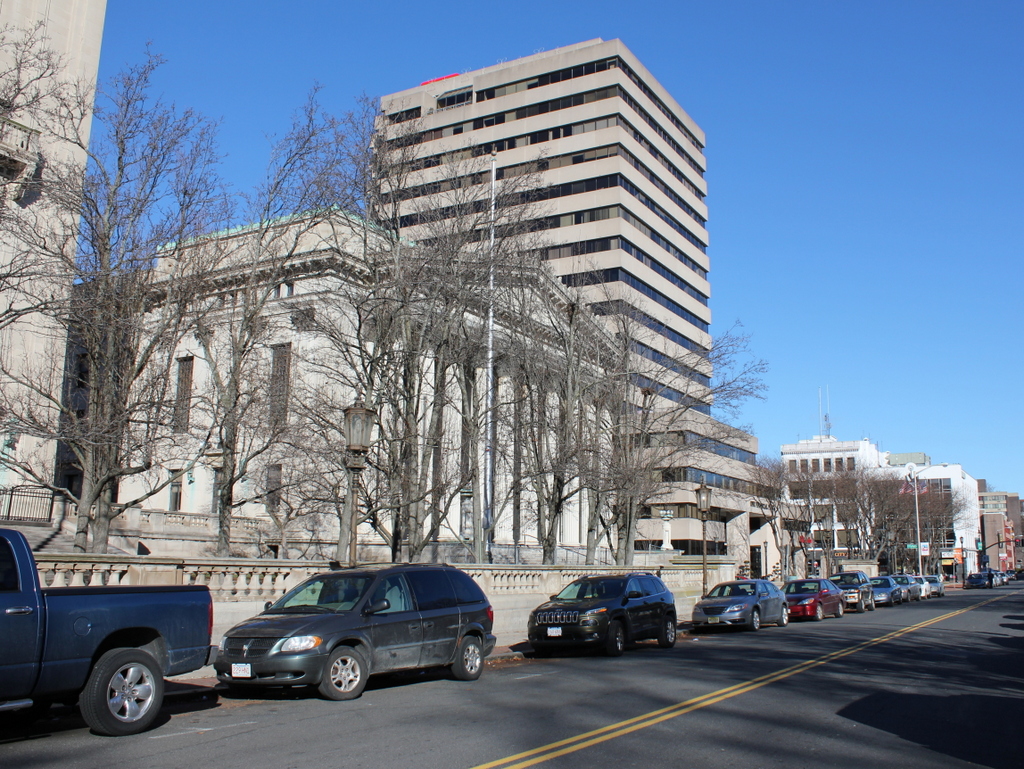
324 594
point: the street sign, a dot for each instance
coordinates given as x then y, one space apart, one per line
911 546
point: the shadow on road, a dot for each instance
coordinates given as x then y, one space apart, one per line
983 729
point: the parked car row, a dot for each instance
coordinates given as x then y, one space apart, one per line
990 578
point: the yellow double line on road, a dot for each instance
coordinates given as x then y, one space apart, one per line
622 728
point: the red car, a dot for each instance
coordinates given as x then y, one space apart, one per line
813 598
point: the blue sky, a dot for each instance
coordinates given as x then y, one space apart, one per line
865 173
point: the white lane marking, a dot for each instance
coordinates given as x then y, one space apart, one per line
532 675
201 730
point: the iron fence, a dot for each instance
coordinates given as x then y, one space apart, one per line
27 503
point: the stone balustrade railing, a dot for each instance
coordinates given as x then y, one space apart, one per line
229 579
239 586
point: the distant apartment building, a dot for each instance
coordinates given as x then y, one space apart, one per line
1000 527
619 193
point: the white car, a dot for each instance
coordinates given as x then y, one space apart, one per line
938 587
926 586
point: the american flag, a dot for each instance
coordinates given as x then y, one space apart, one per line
908 487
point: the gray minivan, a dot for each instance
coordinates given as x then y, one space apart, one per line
336 629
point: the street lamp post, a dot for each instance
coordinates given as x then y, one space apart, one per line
963 563
666 528
912 476
703 507
358 425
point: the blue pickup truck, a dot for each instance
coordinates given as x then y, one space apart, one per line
109 648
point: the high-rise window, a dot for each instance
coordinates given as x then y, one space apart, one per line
280 376
183 395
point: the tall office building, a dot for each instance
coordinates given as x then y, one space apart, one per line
620 182
620 204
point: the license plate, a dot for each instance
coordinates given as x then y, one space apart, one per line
241 670
713 620
554 632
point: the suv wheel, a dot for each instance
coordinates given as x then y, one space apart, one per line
615 642
667 633
861 608
755 620
345 674
871 606
469 660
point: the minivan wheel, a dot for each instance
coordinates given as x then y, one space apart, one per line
667 633
345 674
615 642
469 660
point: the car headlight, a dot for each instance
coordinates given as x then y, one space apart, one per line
806 601
736 607
883 596
223 641
301 643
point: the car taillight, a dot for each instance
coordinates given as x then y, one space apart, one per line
490 614
209 619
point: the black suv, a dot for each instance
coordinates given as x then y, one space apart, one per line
857 590
336 629
606 612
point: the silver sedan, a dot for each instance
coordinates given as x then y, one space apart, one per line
747 603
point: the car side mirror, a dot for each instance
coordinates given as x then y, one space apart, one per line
553 597
267 605
634 594
378 606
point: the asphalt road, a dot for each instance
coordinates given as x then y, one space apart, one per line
933 684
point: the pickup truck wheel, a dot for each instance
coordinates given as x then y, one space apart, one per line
469 660
123 694
345 674
667 633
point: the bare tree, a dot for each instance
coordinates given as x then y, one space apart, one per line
148 185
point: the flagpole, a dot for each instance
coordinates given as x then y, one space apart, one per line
490 424
912 470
